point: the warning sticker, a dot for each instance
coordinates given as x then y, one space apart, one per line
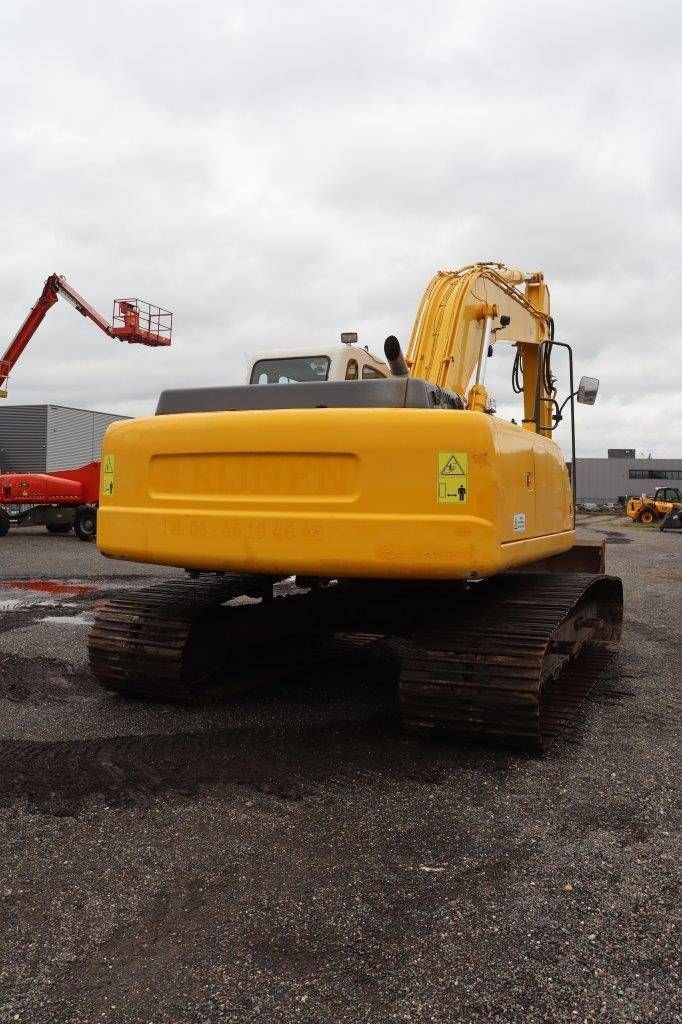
108 469
453 477
519 522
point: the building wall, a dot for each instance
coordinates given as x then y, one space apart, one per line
23 438
40 438
609 479
74 436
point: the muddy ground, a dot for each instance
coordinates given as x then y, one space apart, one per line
290 856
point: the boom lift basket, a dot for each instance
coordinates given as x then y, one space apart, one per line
141 323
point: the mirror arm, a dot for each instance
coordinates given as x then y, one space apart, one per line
556 413
560 408
571 397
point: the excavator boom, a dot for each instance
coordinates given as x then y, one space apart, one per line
134 321
462 313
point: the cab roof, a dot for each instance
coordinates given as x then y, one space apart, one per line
315 350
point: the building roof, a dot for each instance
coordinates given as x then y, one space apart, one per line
55 405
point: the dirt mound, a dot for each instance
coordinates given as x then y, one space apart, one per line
40 681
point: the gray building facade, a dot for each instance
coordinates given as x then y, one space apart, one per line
41 438
603 480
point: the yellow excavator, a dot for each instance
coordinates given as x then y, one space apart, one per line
352 509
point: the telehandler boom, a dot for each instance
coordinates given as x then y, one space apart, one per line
403 507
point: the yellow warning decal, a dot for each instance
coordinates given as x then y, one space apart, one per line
453 477
108 470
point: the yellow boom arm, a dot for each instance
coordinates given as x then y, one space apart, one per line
462 312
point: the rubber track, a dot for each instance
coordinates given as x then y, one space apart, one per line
139 641
176 642
514 660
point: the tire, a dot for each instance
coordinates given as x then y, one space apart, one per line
4 523
647 516
58 527
85 526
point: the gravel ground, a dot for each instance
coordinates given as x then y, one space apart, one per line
290 856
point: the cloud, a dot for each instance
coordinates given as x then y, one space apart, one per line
278 173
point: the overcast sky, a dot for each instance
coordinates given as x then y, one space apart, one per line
275 173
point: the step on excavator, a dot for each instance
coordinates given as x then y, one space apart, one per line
350 510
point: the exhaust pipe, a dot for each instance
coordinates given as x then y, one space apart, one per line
395 358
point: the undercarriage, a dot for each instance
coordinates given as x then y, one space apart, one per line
509 659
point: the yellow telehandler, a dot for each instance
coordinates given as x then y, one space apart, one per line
649 510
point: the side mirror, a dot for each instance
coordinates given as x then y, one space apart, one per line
587 390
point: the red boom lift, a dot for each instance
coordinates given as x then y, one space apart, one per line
68 498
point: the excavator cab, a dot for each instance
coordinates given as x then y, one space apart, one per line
344 361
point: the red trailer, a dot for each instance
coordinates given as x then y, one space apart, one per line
60 501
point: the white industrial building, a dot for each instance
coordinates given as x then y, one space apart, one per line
621 474
41 438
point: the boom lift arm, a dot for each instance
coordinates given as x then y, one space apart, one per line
134 321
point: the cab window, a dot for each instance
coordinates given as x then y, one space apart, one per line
369 373
290 370
352 369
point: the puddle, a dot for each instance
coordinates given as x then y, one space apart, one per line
52 587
